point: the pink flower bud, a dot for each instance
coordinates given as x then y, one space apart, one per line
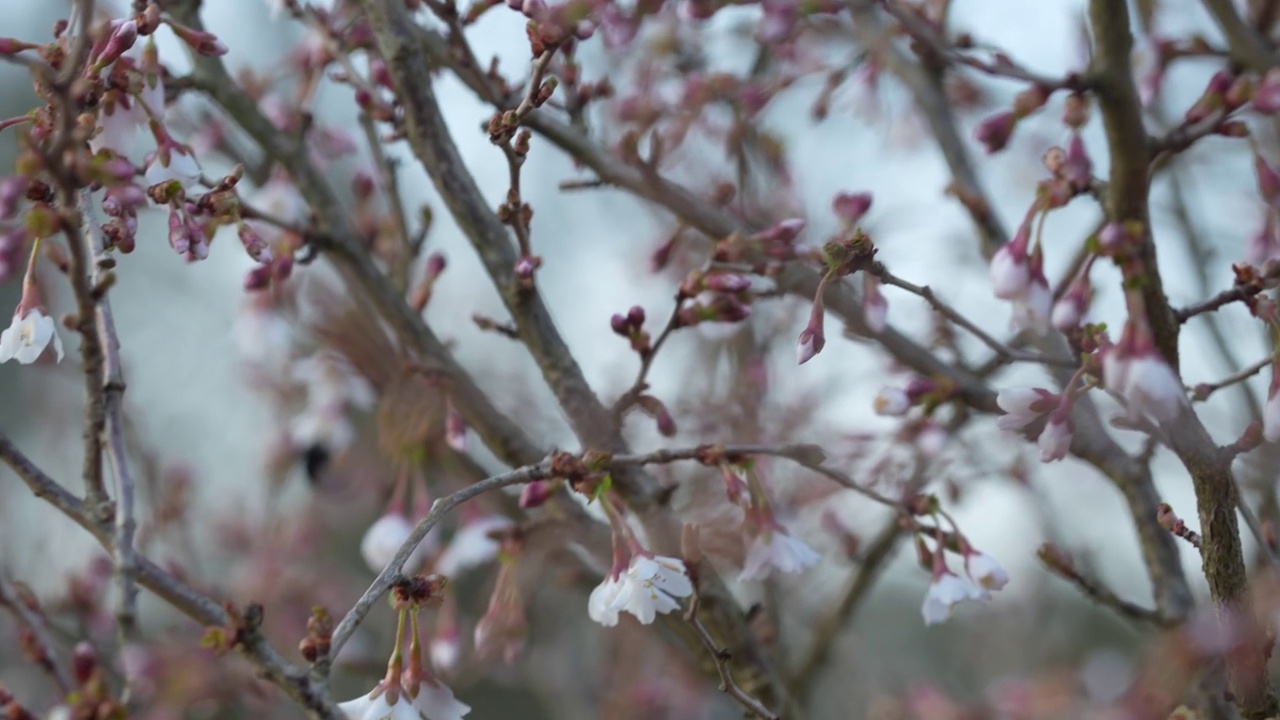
635 316
809 345
535 494
850 207
1010 272
1266 97
725 283
122 38
620 325
782 232
994 132
1078 168
204 43
455 429
1268 180
12 189
526 265
1029 101
1055 439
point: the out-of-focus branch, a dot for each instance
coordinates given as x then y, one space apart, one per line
828 628
927 88
1204 390
311 693
30 619
946 310
1247 47
1059 564
1001 67
505 438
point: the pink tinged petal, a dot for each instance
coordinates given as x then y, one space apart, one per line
1031 311
809 345
1010 272
471 546
1055 440
1154 389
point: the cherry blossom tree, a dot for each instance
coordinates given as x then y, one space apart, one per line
688 529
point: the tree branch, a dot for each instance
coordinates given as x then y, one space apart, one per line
308 691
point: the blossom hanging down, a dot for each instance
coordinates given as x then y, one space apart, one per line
777 549
1017 275
647 587
945 592
983 575
31 332
1135 373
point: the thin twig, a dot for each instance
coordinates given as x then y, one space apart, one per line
950 313
808 456
35 625
1204 390
308 691
638 387
1061 566
113 386
722 656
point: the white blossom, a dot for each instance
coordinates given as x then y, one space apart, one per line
600 606
1032 309
27 337
777 550
436 702
1010 273
946 591
1055 439
378 708
471 546
986 571
1023 406
383 539
892 402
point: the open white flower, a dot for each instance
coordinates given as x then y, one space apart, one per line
600 605
777 550
946 591
650 586
435 701
379 708
27 337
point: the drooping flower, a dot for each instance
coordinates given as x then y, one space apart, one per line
600 606
875 309
945 592
650 586
1055 439
435 701
380 706
985 571
471 545
1135 372
31 332
383 539
1032 309
777 549
28 336
892 402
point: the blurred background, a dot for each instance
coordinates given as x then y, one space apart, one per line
256 527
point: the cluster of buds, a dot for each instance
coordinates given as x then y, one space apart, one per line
713 297
631 327
982 576
319 635
1225 93
551 27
